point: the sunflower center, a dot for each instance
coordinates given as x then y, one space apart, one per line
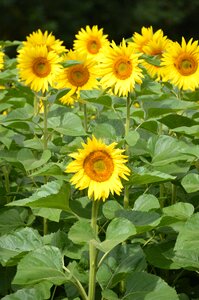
93 46
78 75
41 67
186 65
122 68
98 165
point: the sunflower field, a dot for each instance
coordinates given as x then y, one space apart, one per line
99 149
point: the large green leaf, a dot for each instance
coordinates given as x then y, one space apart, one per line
187 244
70 125
81 232
142 286
54 194
29 161
118 230
146 202
38 292
191 182
44 263
144 176
14 245
166 149
12 218
109 208
122 260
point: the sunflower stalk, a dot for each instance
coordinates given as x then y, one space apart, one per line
127 126
45 147
85 117
93 253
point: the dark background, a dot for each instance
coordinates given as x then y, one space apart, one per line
119 18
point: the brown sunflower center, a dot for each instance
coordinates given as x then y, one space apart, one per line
98 165
41 67
122 68
93 46
78 75
186 65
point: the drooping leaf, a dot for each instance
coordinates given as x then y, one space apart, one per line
54 194
141 285
44 263
121 261
15 245
81 232
190 182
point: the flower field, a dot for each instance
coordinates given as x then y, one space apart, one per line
99 149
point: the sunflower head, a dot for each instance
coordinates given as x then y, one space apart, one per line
139 41
80 76
38 67
39 38
1 59
119 68
90 41
181 64
98 167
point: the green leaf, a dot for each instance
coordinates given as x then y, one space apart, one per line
26 157
190 183
44 263
146 202
166 149
132 138
158 255
54 194
109 208
118 230
142 220
12 218
176 120
193 130
38 292
14 245
109 295
81 232
187 244
70 125
121 261
52 214
104 130
180 210
146 177
141 286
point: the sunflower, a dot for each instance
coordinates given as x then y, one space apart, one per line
1 59
80 76
38 67
98 167
181 64
119 68
38 38
139 41
90 41
155 48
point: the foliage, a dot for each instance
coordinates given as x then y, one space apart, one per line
148 250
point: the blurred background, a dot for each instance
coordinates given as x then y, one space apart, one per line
119 18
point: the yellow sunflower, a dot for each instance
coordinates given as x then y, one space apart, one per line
139 41
1 59
156 47
181 63
90 40
119 68
38 38
77 77
38 67
98 167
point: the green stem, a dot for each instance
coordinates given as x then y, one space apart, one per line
93 253
7 182
174 193
77 284
127 127
45 147
85 117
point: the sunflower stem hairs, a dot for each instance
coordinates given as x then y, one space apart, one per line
98 167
